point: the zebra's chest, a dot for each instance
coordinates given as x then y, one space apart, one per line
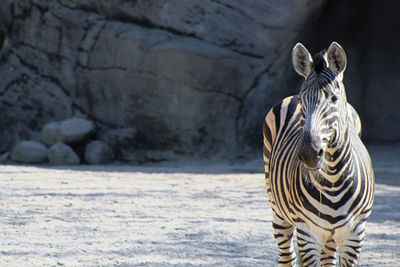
303 195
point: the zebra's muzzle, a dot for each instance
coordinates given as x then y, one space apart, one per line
310 152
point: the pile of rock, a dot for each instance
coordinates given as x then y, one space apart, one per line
60 142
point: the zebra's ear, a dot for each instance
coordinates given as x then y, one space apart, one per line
302 60
336 58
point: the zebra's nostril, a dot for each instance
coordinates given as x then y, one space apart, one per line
320 153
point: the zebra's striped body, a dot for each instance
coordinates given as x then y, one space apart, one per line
319 176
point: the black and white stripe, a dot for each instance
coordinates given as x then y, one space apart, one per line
325 195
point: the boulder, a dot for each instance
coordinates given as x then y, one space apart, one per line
75 130
98 152
62 154
159 155
49 133
29 152
5 156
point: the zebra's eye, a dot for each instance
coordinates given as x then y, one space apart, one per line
334 99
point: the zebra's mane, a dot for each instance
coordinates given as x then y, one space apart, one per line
321 75
319 63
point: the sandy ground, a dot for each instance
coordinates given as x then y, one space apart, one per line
175 214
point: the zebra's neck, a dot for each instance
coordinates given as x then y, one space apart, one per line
337 161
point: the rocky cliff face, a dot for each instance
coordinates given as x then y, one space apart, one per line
155 75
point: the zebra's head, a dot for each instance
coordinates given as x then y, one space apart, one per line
322 101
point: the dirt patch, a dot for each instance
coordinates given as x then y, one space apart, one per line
176 214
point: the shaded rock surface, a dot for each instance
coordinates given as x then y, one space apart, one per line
49 133
98 152
29 152
368 31
62 154
194 77
5 156
74 130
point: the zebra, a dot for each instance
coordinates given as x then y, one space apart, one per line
318 173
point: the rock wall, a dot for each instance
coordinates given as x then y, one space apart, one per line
192 77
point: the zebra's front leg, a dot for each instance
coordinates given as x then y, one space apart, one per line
350 253
350 250
328 254
283 233
309 249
